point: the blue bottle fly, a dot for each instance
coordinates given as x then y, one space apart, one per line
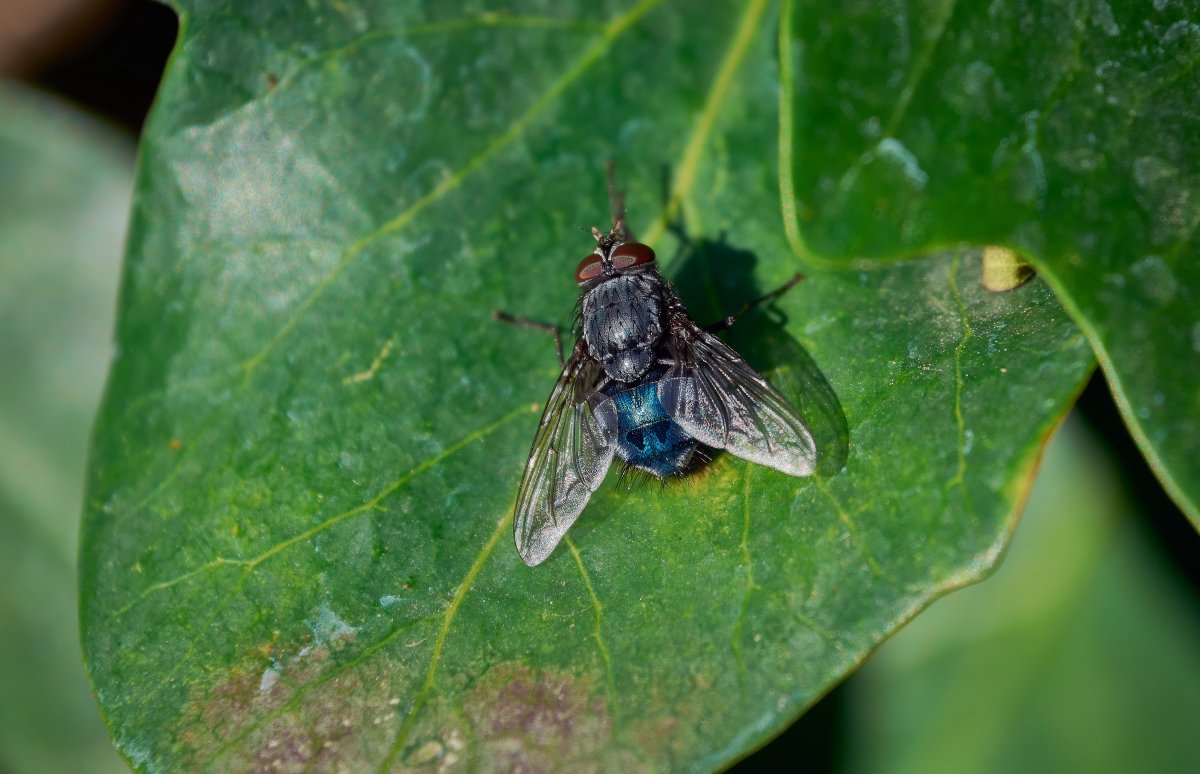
644 384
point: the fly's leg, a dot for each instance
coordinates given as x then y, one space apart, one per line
534 325
727 323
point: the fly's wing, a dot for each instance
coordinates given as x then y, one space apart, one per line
571 453
724 403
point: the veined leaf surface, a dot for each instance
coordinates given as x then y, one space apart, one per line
297 547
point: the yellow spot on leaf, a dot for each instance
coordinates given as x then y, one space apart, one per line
1003 269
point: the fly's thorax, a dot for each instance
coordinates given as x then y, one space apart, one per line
623 322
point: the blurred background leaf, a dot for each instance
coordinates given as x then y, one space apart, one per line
63 208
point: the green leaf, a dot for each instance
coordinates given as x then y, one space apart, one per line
1066 131
1083 644
63 207
297 547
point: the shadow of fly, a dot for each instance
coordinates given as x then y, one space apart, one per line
644 383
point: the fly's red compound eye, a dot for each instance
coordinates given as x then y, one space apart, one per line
589 268
631 254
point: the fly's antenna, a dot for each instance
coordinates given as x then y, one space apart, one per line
616 202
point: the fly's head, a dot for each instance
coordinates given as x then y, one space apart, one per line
614 256
622 304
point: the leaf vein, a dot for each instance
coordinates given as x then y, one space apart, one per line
597 632
702 128
849 523
966 334
787 131
447 619
920 67
408 475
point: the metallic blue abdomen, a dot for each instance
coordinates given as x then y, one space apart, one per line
647 437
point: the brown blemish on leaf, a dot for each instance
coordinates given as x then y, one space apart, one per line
289 749
292 713
537 721
648 734
225 710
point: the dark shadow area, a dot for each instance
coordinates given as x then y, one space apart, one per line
814 743
115 68
715 279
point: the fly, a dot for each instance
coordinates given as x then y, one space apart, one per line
646 384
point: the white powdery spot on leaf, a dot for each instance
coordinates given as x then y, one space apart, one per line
240 174
893 150
328 627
